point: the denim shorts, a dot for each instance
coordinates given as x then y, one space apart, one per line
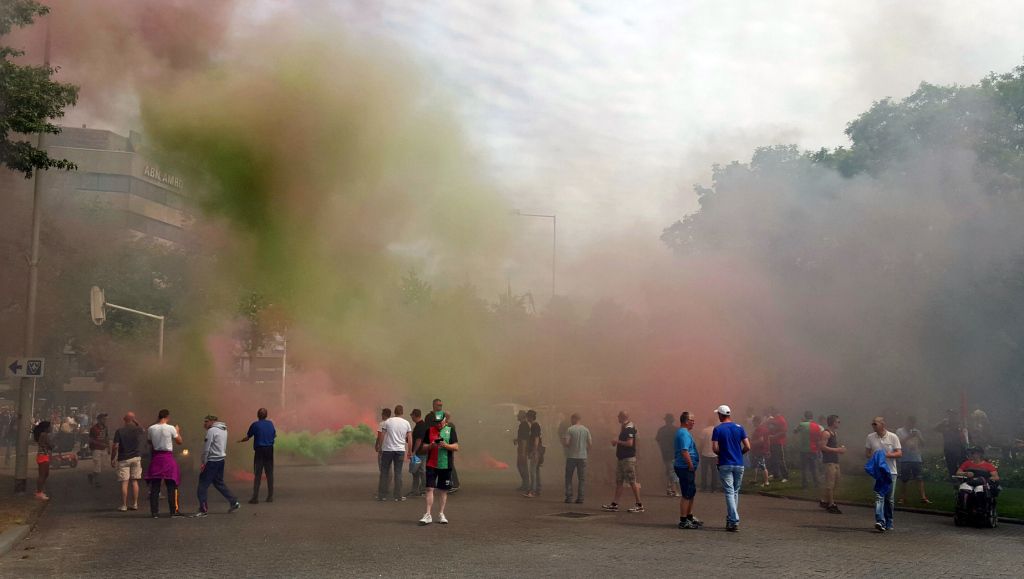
687 483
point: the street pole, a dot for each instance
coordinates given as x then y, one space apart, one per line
284 372
26 394
554 243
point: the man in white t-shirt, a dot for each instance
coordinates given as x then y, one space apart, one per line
708 458
162 466
889 443
396 443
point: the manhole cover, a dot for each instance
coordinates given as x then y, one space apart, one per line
571 515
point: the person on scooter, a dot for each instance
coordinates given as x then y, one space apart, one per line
976 461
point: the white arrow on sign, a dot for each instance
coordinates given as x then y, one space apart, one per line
25 367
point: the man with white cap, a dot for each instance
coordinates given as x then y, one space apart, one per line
729 441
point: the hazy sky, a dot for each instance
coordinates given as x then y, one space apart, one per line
607 112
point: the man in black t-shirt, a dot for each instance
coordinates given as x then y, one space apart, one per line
534 455
625 470
432 419
418 462
954 448
521 440
126 457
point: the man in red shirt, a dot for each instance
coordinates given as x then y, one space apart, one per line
976 461
443 441
760 450
810 434
777 461
99 444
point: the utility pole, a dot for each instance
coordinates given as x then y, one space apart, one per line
26 394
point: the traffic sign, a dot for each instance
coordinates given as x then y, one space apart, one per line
25 367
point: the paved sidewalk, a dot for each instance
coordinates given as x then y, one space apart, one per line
325 522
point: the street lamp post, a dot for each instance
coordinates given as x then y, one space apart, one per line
554 242
26 398
98 304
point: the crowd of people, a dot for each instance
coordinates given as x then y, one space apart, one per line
715 457
723 450
123 451
429 444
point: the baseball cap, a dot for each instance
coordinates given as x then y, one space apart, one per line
724 410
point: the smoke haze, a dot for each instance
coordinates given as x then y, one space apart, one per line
331 160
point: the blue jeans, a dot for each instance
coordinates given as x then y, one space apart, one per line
534 469
808 469
732 479
579 466
884 505
390 459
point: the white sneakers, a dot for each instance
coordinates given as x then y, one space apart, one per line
427 519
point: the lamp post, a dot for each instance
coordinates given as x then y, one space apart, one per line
98 304
26 398
554 242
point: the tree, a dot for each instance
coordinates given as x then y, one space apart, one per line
29 97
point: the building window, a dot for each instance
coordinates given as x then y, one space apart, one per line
104 182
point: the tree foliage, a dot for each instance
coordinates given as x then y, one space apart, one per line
894 260
29 97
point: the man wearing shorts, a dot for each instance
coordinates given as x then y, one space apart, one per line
625 470
911 464
443 442
686 460
830 451
126 457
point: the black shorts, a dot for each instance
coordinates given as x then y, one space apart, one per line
439 478
911 471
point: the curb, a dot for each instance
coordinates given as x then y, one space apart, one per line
1010 520
10 537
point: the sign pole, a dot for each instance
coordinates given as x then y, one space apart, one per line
24 396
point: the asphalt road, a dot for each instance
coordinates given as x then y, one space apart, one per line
324 522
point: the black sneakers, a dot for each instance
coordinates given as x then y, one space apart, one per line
234 507
834 509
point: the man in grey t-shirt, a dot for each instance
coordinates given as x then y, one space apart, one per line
577 444
911 464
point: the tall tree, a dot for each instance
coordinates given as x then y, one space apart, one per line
29 97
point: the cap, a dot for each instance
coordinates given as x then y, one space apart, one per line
723 410
211 417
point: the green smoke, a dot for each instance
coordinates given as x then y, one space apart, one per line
324 444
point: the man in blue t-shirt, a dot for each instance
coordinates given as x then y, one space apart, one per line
729 441
686 460
263 434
